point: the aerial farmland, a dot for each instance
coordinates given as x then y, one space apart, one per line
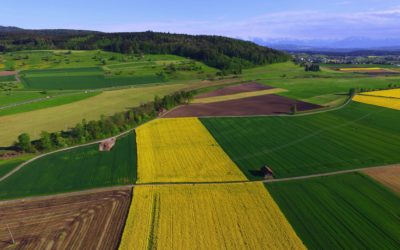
160 140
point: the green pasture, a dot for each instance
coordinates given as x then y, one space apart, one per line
53 101
75 169
348 211
6 165
356 136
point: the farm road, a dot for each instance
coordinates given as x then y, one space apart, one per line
95 190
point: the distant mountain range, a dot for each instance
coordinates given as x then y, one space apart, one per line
342 45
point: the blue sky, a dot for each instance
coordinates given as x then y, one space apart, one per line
267 19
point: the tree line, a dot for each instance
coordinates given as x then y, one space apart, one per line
227 54
87 131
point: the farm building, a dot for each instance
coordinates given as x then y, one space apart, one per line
107 145
267 172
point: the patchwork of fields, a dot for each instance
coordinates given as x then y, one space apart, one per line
68 115
345 211
181 150
76 169
356 136
228 216
197 181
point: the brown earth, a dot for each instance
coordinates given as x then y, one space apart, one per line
8 73
258 105
235 89
389 176
78 221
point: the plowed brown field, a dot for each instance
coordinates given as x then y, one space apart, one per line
258 105
93 220
389 176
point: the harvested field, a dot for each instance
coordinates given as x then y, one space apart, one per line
93 220
235 89
181 150
386 102
229 216
238 96
258 105
389 176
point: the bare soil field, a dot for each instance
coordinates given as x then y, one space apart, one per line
235 89
258 105
92 220
8 73
389 176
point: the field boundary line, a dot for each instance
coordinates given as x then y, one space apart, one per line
346 171
123 187
68 194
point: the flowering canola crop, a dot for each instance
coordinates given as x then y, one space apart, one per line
387 102
181 150
394 93
212 216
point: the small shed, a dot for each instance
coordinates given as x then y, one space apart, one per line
162 111
107 145
267 172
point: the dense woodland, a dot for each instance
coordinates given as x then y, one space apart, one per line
227 54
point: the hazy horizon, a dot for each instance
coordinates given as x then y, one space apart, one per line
287 20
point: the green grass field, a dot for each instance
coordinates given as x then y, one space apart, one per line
48 103
348 211
75 169
356 136
65 116
81 78
7 78
7 165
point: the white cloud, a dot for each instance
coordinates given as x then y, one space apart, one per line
292 25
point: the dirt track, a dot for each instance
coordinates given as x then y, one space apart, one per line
258 105
78 221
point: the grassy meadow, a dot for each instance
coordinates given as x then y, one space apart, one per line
356 136
64 116
53 101
75 169
348 211
322 88
7 165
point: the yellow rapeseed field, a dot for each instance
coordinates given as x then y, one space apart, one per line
212 216
386 102
181 150
360 69
239 95
395 93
